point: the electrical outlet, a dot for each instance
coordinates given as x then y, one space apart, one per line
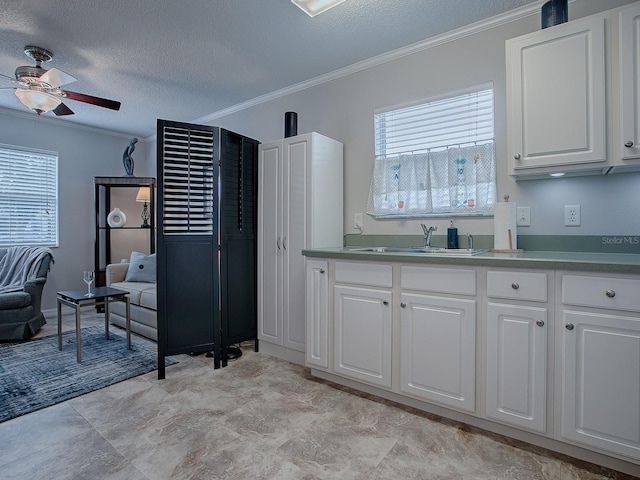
572 215
523 216
357 221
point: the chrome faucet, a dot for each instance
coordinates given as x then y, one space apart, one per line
469 241
428 231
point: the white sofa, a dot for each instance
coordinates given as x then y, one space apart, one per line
143 301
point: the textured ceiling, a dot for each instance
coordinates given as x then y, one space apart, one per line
184 60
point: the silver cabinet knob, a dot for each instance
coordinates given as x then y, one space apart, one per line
322 270
628 144
403 305
385 303
540 323
515 286
569 326
610 293
517 156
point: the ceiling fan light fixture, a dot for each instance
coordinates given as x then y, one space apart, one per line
38 101
316 7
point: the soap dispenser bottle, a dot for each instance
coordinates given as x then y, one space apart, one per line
452 236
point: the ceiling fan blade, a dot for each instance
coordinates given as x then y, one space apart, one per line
13 79
62 109
56 77
100 102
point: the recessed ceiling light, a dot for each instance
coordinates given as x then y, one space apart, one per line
316 7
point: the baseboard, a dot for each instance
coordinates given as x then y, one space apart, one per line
282 353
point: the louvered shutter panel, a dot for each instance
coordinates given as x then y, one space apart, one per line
188 174
188 257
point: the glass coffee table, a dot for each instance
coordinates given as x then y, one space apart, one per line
100 296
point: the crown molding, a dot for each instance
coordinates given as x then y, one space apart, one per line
453 35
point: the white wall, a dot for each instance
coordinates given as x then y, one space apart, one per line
343 109
82 154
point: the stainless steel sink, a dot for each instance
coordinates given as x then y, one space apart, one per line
421 250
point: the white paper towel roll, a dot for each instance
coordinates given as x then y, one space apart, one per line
504 226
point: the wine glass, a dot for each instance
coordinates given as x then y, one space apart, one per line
88 277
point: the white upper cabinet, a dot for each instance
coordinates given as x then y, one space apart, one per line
626 131
556 100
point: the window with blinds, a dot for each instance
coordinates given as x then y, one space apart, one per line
188 177
435 157
28 197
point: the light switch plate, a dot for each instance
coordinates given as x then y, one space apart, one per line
523 216
357 221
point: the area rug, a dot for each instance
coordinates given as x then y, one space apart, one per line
35 374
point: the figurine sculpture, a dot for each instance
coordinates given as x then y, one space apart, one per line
127 159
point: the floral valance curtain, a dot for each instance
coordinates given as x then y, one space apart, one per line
453 180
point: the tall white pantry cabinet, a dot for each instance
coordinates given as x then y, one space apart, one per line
300 200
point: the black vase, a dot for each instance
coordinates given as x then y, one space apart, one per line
290 124
554 12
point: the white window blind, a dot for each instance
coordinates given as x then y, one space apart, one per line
28 197
435 158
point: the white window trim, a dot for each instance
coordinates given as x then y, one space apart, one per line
427 189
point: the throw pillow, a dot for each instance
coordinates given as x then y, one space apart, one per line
142 268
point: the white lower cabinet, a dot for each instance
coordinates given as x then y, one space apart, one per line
437 349
363 322
516 365
516 368
317 318
363 334
600 401
560 351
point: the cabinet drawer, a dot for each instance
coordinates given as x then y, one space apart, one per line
441 280
517 285
364 274
602 292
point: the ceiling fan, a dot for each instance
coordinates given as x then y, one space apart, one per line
39 89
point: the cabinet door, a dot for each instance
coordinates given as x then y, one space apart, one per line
317 284
629 20
437 343
294 238
556 96
516 365
270 244
601 381
363 334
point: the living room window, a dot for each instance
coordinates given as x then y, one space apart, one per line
435 157
28 197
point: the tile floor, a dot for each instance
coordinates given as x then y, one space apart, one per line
259 418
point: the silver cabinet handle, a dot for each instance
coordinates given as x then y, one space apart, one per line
284 242
628 144
322 270
517 156
403 305
540 323
278 243
385 303
515 286
569 326
610 293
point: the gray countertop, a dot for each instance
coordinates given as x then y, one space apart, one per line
582 261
